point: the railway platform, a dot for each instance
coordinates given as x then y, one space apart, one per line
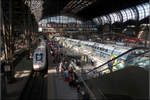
58 89
22 72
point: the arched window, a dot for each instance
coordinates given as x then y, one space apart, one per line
61 19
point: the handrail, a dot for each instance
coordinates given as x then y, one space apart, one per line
130 59
89 90
144 60
116 58
138 55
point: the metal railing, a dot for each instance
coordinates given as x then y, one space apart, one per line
133 49
128 60
101 93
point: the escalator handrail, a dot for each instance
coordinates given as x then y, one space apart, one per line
138 55
130 59
116 58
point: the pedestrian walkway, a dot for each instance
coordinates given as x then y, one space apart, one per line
22 72
57 87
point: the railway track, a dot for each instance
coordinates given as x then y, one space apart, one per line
35 88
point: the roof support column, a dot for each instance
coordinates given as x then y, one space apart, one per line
7 31
28 30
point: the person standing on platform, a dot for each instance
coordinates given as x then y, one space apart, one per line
65 74
112 63
121 65
51 51
85 95
57 69
92 62
60 65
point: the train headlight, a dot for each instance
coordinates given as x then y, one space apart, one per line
36 66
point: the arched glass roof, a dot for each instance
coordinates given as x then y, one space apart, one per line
146 7
124 15
135 13
114 18
60 19
141 11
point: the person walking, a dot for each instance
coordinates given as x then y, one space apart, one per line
57 69
92 62
85 95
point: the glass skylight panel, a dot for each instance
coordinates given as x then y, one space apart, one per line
99 20
119 16
96 20
129 15
71 20
49 20
147 9
141 12
112 18
102 21
124 15
108 19
115 17
44 20
105 20
133 14
61 19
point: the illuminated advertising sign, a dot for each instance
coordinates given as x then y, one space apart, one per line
54 25
59 25
48 25
43 25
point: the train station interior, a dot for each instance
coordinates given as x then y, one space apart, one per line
74 49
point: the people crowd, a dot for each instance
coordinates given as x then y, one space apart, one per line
66 70
69 75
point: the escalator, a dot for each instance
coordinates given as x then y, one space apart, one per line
138 56
128 83
132 82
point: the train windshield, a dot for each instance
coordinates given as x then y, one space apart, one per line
39 57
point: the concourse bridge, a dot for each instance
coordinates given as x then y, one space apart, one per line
103 46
